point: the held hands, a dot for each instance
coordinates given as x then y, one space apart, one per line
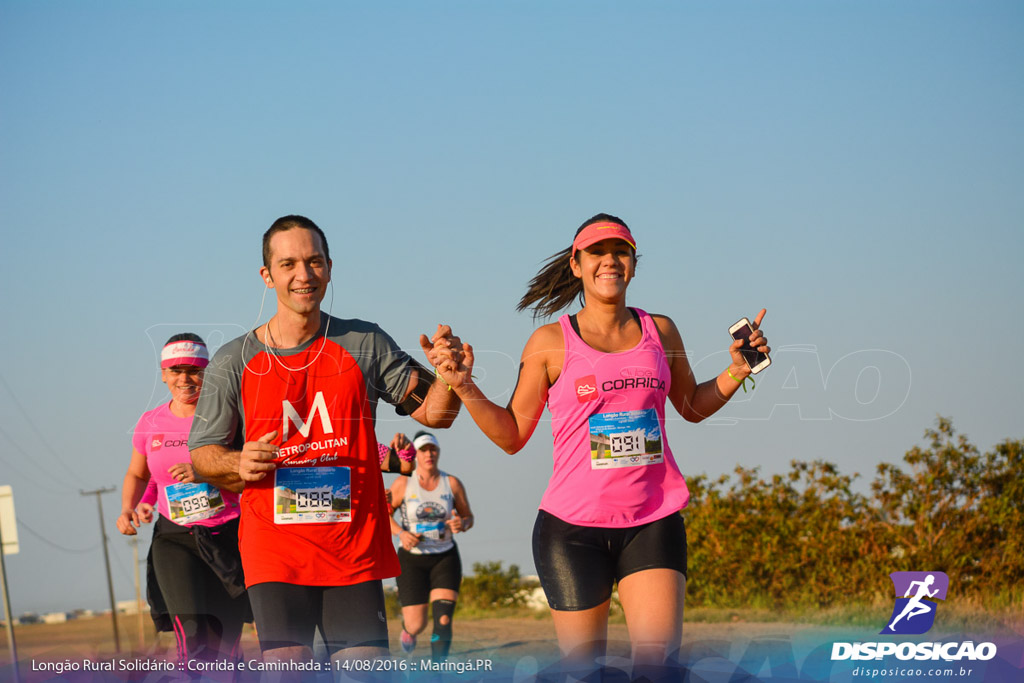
439 346
256 459
758 341
408 540
452 359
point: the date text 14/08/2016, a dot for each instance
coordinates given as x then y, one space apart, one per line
412 665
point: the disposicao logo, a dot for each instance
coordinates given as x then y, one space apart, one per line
914 612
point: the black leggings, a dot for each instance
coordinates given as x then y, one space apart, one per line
207 620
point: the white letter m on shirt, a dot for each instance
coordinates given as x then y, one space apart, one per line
291 415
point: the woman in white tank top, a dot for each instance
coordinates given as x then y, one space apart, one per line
432 507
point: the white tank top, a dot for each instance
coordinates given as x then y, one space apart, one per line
424 513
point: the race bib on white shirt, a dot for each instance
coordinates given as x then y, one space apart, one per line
435 531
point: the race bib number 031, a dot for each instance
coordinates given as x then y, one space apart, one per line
312 495
631 438
189 503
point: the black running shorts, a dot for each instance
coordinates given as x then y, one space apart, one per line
288 615
422 573
579 565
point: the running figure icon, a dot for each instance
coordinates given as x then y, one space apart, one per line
915 606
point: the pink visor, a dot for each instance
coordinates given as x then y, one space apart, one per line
184 353
595 232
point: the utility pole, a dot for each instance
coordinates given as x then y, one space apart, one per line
7 516
106 559
138 594
7 614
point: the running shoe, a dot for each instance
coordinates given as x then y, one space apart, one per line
408 641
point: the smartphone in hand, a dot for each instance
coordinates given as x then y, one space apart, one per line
756 360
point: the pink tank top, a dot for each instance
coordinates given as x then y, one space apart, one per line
612 464
162 437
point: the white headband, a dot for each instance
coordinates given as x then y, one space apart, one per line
426 440
184 353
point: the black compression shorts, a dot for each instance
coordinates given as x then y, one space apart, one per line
422 573
579 565
288 615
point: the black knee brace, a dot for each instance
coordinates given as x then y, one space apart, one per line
441 640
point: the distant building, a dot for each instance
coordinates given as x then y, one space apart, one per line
127 607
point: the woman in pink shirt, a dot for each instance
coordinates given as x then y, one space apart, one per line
610 513
195 543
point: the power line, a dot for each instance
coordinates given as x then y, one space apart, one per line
40 537
35 461
75 476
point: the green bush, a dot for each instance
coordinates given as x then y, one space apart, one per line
806 540
490 586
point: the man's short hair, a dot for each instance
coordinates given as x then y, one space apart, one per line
287 223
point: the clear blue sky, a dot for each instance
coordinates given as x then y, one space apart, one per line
855 167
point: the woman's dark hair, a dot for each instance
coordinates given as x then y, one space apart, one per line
185 336
554 287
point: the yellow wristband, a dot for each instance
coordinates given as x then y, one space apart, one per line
743 382
438 373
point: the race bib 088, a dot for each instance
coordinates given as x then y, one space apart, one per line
312 495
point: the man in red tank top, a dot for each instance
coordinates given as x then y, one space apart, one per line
288 418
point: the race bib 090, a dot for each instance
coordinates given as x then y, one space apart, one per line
189 503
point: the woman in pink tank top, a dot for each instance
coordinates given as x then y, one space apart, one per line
610 513
195 584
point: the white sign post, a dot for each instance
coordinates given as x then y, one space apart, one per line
8 525
9 543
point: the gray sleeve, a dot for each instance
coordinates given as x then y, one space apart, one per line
218 419
393 368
